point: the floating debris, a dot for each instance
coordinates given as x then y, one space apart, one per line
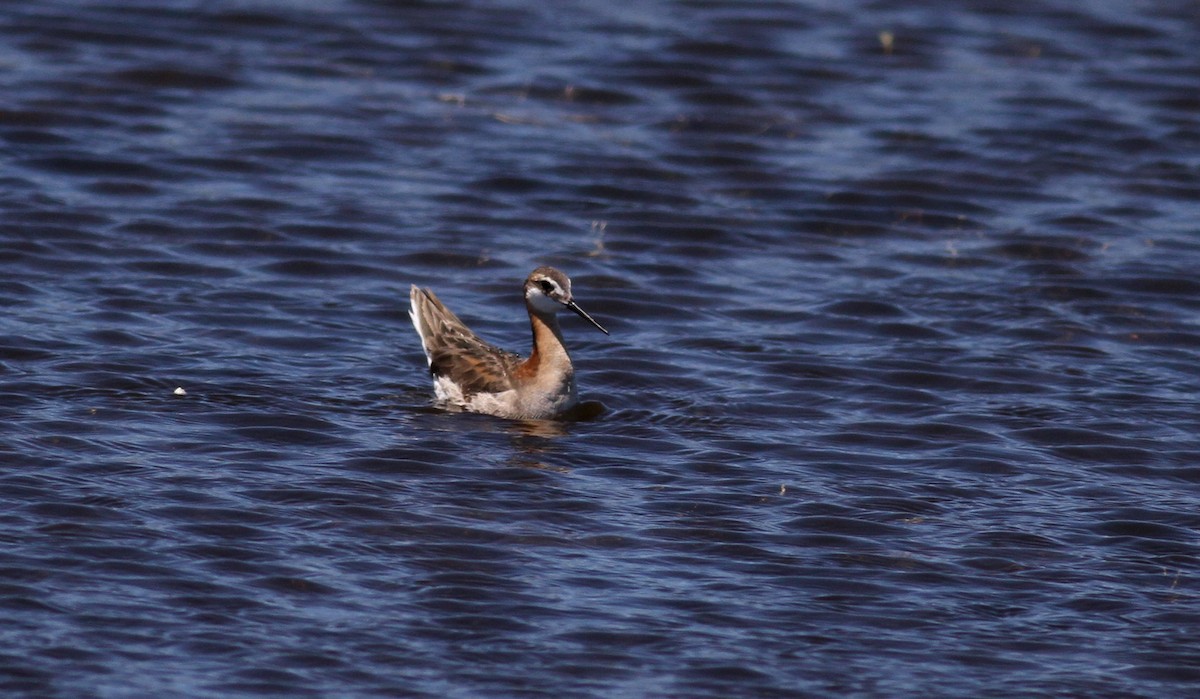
887 41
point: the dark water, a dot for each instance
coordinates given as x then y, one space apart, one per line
901 393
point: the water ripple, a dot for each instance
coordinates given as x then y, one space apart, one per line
900 395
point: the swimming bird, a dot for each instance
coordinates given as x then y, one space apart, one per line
473 375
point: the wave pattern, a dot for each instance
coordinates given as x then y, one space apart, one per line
900 396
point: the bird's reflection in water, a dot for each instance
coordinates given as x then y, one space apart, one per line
534 440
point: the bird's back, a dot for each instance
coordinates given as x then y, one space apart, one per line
455 353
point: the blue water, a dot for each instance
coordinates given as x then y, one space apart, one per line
900 396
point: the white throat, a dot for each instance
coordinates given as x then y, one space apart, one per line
542 303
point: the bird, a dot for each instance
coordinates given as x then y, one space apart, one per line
477 377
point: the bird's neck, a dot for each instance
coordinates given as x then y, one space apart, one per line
548 353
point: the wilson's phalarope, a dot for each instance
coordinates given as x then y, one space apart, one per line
474 375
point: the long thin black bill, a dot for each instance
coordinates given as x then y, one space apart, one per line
575 307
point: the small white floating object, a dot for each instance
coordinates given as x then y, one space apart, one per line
179 391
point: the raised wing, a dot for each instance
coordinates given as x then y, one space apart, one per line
457 353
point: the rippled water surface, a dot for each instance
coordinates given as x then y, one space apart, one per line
900 397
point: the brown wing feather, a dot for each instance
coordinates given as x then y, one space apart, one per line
457 353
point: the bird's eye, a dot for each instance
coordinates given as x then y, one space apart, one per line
547 287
